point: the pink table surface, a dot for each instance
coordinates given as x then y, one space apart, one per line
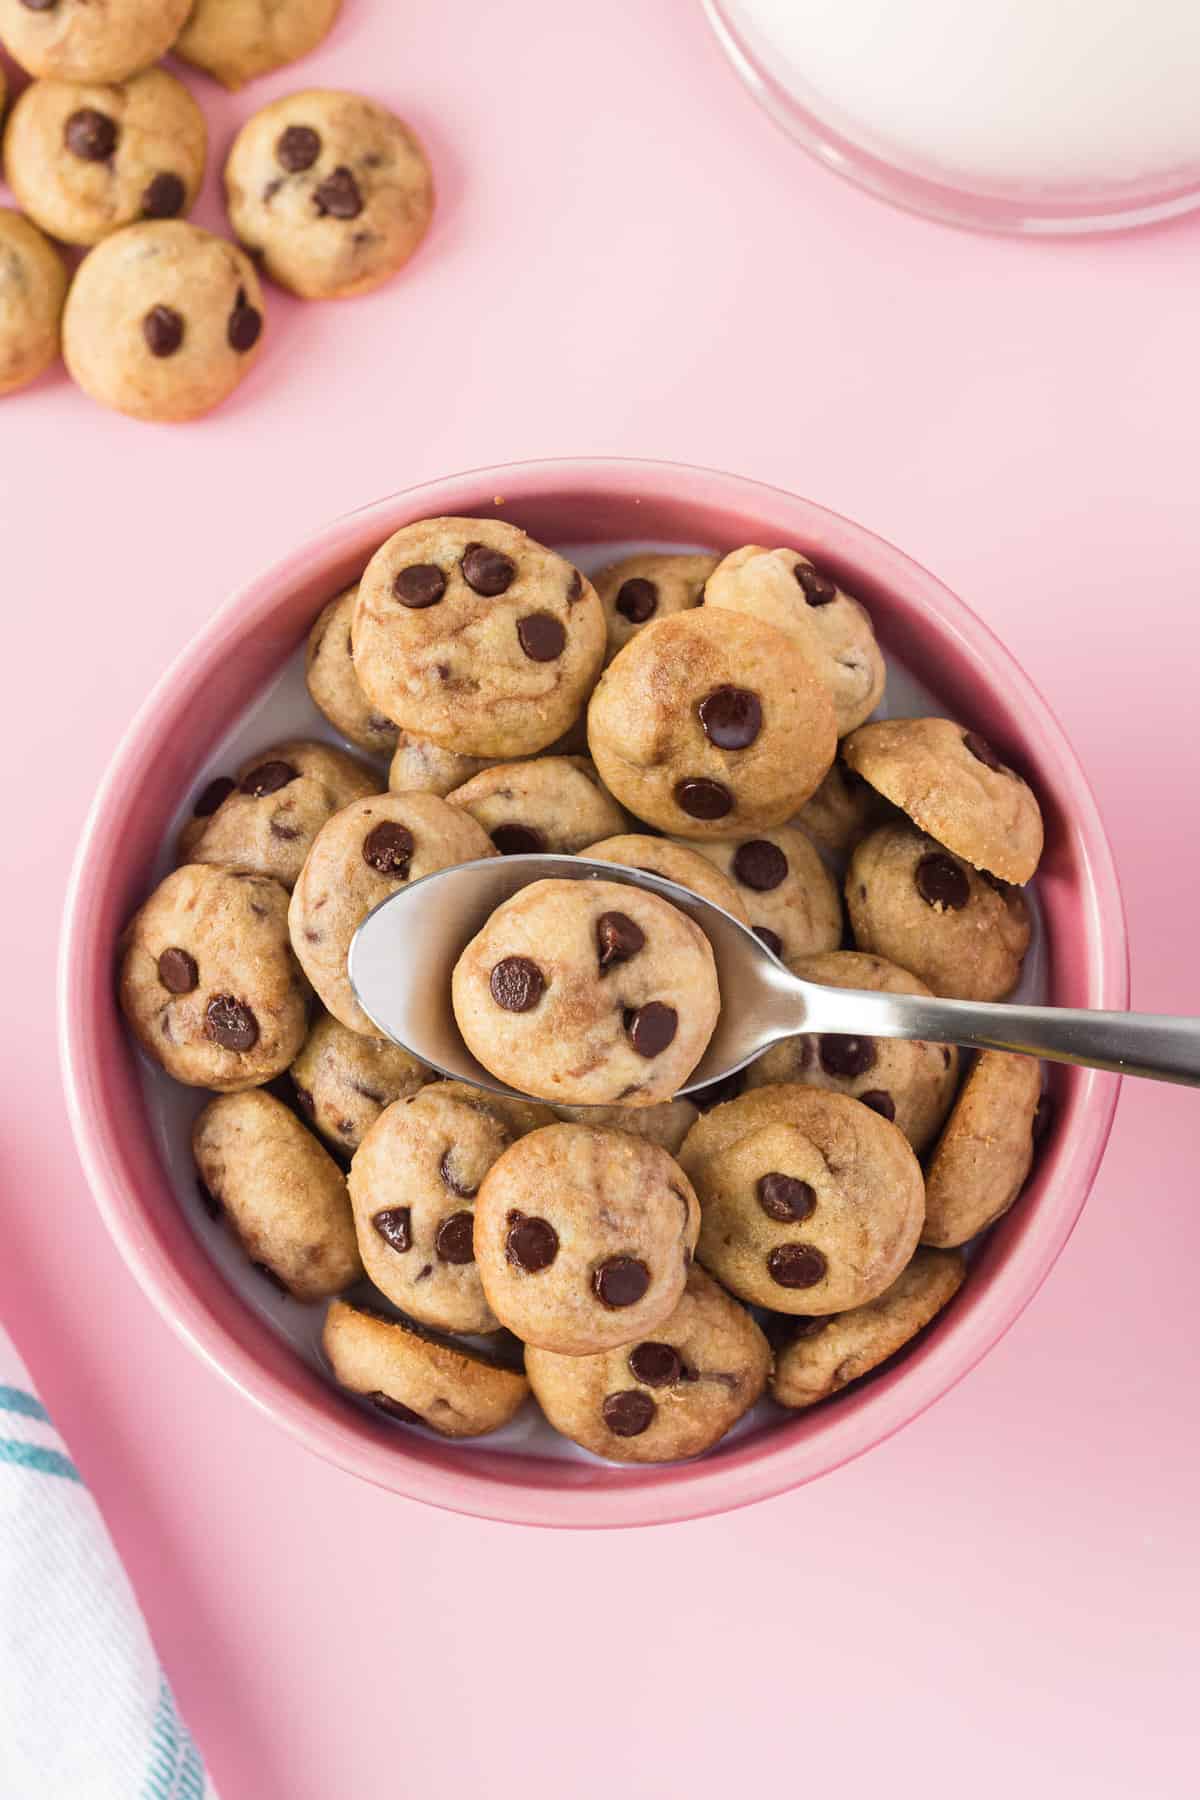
629 259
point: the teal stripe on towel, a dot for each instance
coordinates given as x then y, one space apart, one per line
164 1748
16 1400
38 1458
191 1776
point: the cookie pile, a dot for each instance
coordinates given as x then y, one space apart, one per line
648 1267
328 193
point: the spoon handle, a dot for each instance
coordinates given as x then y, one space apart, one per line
1154 1044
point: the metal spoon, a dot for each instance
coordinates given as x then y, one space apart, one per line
402 955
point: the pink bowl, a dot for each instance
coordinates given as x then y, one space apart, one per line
942 643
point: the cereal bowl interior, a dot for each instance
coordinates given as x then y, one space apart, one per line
238 689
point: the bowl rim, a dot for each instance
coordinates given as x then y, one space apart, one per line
755 1468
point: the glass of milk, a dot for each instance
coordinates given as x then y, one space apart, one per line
1007 115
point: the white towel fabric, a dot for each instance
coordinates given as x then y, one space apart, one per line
85 1710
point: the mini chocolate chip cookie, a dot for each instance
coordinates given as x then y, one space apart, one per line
33 287
236 43
649 586
584 1238
204 805
331 190
983 1157
834 632
838 816
666 1397
954 786
680 863
810 1202
666 1124
790 898
910 1083
282 1195
367 851
282 797
914 903
826 1354
711 725
554 804
470 634
413 1184
163 321
344 1080
414 1378
333 686
588 993
419 767
83 160
76 40
208 980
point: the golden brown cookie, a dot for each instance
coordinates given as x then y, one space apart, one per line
344 1080
826 1354
78 40
33 287
236 40
419 767
282 1195
790 898
954 786
553 804
470 634
649 586
782 588
410 1376
983 1157
584 1238
681 863
910 1083
838 816
209 983
588 993
333 686
666 1124
914 903
269 821
711 725
810 1202
667 1397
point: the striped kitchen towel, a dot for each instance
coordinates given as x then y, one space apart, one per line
85 1710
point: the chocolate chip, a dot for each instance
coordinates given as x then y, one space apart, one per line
731 717
621 1281
297 148
784 1197
39 5
703 799
618 937
419 585
542 636
518 840
452 1181
162 329
209 1201
879 1101
760 865
388 849
770 938
517 984
629 1413
637 599
245 325
230 1023
178 972
276 1281
90 135
212 796
488 572
981 750
164 198
338 195
818 591
574 587
395 1409
796 1265
394 1225
304 1100
651 1028
268 778
455 1239
656 1365
531 1244
942 883
847 1056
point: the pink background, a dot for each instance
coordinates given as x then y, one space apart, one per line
630 259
